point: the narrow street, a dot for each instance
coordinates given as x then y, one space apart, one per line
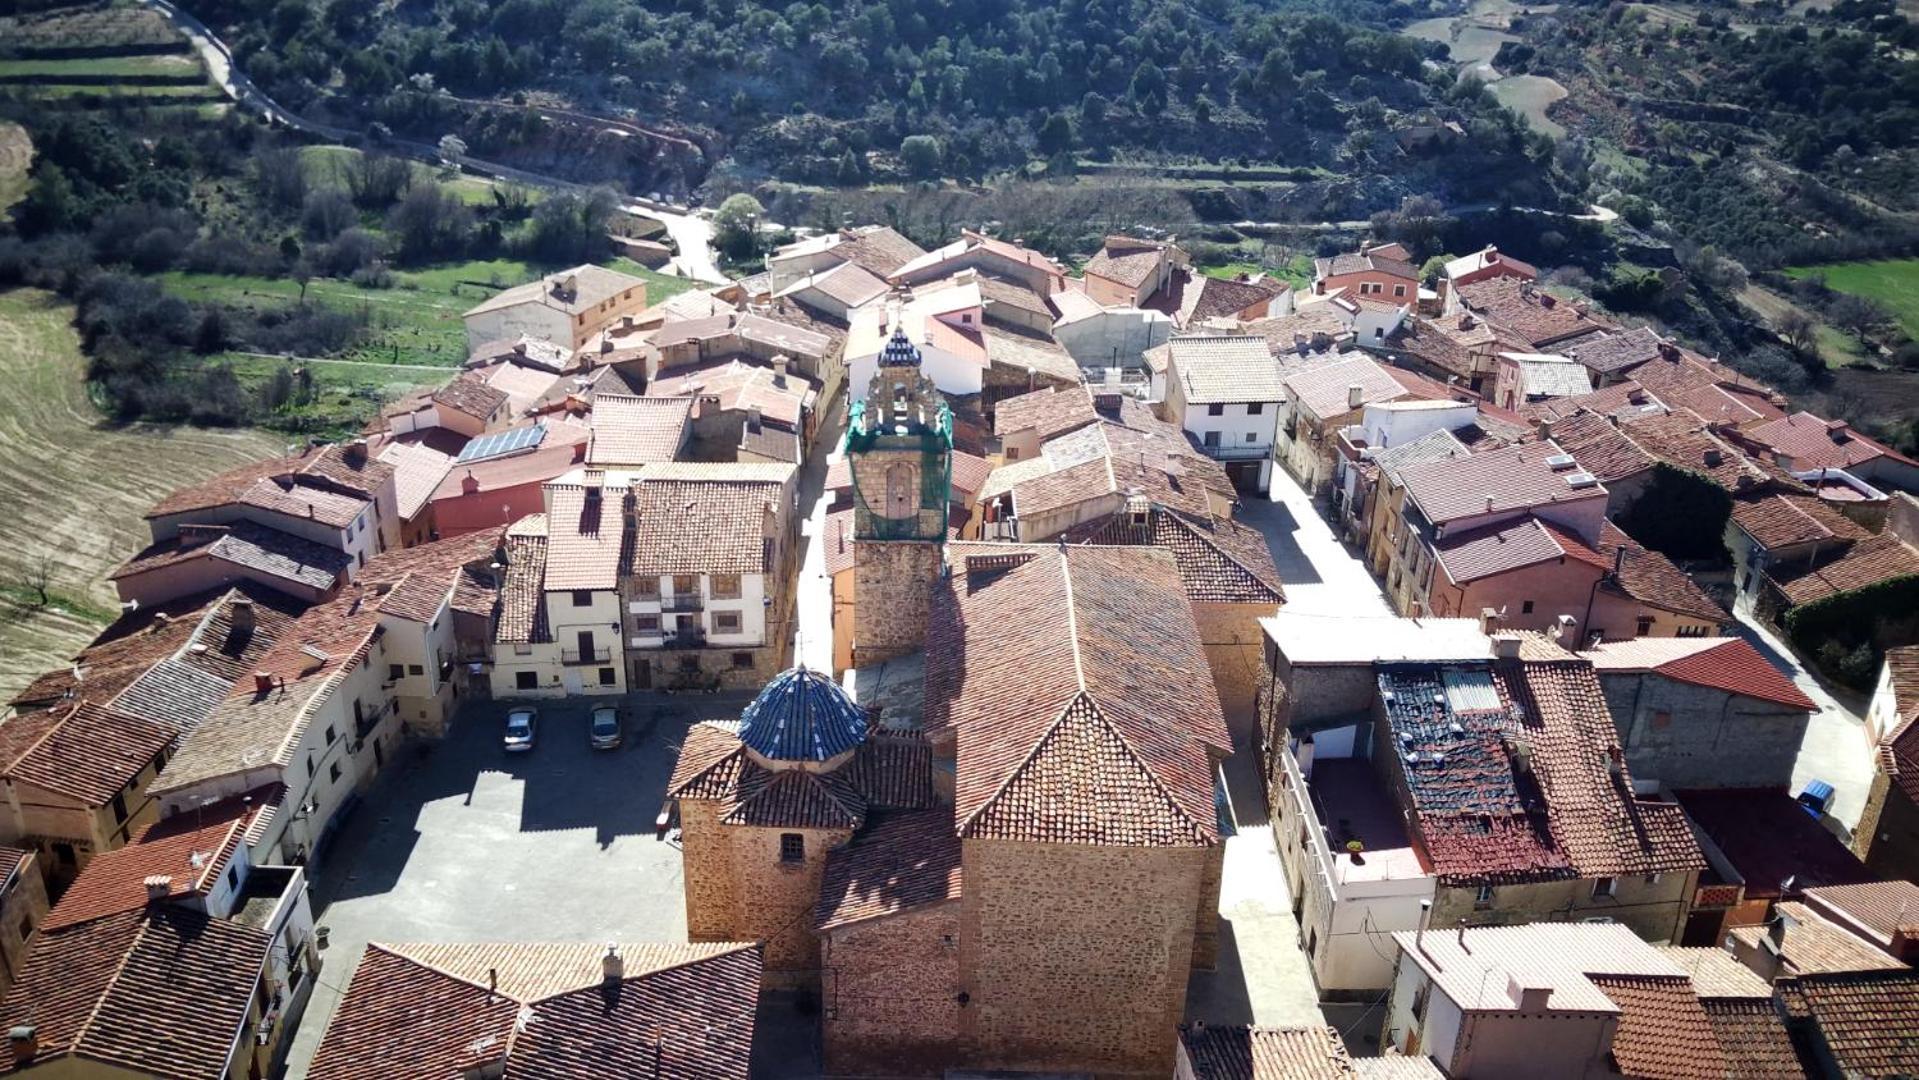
1321 576
1835 749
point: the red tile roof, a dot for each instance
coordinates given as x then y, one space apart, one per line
1080 698
679 1011
81 749
887 772
1868 562
1662 1030
1779 519
1878 908
1048 412
1266 1053
902 861
1753 1038
1534 314
1220 561
1899 746
586 532
1868 1021
1729 664
703 526
192 848
1127 260
630 430
1654 580
1814 443
1490 550
1682 441
1596 442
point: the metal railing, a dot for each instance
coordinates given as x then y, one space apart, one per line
684 641
682 602
1237 453
588 656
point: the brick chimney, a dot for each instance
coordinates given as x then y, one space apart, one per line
1355 396
159 886
24 1042
240 616
262 682
356 452
1905 943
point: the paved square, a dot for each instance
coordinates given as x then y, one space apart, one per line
460 841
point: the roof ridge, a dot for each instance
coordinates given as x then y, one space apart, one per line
1207 538
1025 762
391 950
736 948
1072 614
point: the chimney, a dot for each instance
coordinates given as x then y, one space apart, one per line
1492 254
1563 633
753 421
492 980
240 616
519 347
1904 946
356 452
780 364
1488 618
1784 461
24 1042
1530 999
262 682
612 967
1713 457
1419 934
1355 396
1466 320
1546 429
1548 301
469 484
1506 646
1669 352
159 886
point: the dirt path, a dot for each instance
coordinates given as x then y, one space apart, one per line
74 486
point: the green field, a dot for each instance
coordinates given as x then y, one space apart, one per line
1529 96
181 64
1298 271
1892 282
327 167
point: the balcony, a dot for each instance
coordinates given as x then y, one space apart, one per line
690 640
366 721
682 602
577 657
1250 452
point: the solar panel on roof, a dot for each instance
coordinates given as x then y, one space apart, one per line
502 442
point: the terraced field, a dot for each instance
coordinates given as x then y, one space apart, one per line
75 486
105 58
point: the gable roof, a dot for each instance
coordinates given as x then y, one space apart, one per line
83 750
1127 260
1536 316
1611 354
1220 560
1879 909
590 286
1814 443
1778 519
1494 481
1483 258
1079 696
1376 260
1325 390
1225 369
1499 548
703 526
1545 375
1867 1021
521 615
629 430
425 1010
1810 944
586 533
1663 1030
1269 1053
1868 562
1899 744
1720 663
1478 967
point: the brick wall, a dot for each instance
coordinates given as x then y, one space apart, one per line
1230 636
738 889
890 994
1888 835
893 589
1077 956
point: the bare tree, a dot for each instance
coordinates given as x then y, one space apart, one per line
1800 332
37 577
1857 315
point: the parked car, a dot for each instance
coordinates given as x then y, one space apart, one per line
522 725
603 730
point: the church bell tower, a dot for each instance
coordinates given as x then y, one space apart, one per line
899 446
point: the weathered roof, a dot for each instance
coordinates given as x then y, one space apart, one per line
1717 973
1771 841
470 393
264 550
1325 390
418 470
1483 258
1080 698
522 610
1498 480
879 250
1813 443
1534 315
586 531
1127 260
1813 945
1220 560
590 286
81 749
1549 376
1267 1053
1663 1030
1721 663
902 860
629 430
888 771
1868 562
1225 369
1488 550
193 849
848 283
1653 580
1879 908
1867 1021
1682 441
1610 354
426 1010
1359 262
1899 743
716 525
1048 412
1776 519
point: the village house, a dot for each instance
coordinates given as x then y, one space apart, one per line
23 906
1127 271
1611 357
418 471
566 307
876 249
1487 263
1702 712
1225 392
1525 378
704 586
1458 348
1324 398
1836 572
647 1010
1576 1000
499 479
1194 300
199 558
1762 849
1879 913
1110 344
1803 442
336 496
630 431
465 408
836 292
755 334
1380 270
182 954
745 412
1382 428
1887 837
1427 775
1842 1020
989 256
1782 529
588 520
1799 939
1534 316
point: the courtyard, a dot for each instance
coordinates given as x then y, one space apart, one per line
460 841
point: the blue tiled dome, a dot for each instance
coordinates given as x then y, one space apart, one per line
802 715
899 352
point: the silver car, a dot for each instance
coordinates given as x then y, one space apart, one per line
521 727
603 730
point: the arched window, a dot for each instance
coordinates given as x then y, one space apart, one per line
901 491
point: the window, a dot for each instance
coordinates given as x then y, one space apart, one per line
522 649
1484 898
1211 438
1252 436
1255 408
1645 625
1012 453
1399 291
333 772
331 735
233 877
608 677
119 806
582 598
526 680
415 669
792 847
726 622
1604 887
1526 608
647 624
742 659
1215 410
686 584
1379 333
394 671
647 587
309 766
725 586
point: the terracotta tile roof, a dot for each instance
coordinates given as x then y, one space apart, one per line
681 1011
848 283
837 536
472 395
879 249
1266 1053
1536 316
1814 443
1220 561
708 764
295 498
1357 262
160 992
1610 354
1127 260
1206 297
1020 350
1604 830
1652 579
901 861
1325 390
1076 687
703 526
462 564
1489 550
1868 562
1048 412
1662 1030
1899 745
887 772
1879 908
573 291
586 531
740 387
222 489
1753 1039
793 799
1620 400
1868 1021
81 749
630 430
1815 946
1107 459
1729 664
1215 369
1769 838
1424 340
1682 441
1480 260
1779 519
1717 973
1504 479
114 882
522 610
